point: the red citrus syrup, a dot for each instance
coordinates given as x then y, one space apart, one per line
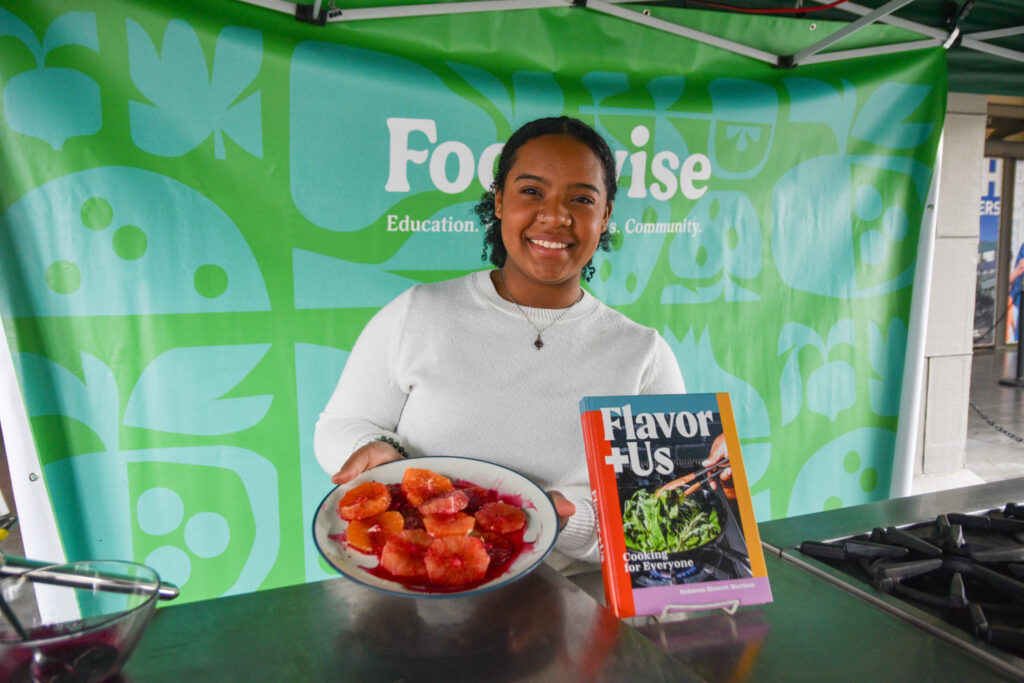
503 549
91 655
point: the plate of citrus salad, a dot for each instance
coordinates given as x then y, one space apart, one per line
436 526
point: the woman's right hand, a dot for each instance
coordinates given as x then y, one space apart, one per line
718 452
372 454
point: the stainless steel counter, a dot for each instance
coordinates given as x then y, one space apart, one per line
812 631
541 628
547 627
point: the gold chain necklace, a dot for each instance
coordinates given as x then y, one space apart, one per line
538 342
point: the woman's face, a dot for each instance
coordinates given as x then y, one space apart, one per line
553 209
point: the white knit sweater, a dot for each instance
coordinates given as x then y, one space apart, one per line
451 369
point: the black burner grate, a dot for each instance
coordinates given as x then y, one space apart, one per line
967 569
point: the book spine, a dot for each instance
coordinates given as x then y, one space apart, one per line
604 490
739 473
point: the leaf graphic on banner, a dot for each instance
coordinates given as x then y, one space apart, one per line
188 103
536 93
815 101
52 103
10 25
93 401
887 358
881 121
197 377
605 84
71 28
831 388
841 333
666 90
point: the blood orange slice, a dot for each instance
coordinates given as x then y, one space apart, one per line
365 500
498 547
501 517
420 485
370 534
459 524
446 504
404 552
456 560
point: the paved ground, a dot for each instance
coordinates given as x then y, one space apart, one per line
990 453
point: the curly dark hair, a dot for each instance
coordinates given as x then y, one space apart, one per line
494 248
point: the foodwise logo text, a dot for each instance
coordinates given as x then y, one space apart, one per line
452 165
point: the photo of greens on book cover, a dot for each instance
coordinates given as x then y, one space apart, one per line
675 520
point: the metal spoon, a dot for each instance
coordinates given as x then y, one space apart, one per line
41 572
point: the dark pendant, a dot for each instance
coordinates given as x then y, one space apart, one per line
538 343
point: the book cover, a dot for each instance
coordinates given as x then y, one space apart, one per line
675 521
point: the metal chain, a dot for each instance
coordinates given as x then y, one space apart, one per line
989 330
998 427
992 423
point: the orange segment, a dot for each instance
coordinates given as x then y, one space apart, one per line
365 500
404 551
501 518
446 504
477 496
498 547
456 560
459 524
420 485
369 535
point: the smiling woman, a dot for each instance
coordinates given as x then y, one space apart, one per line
553 213
492 365
541 152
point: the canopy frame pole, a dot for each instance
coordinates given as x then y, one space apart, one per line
996 33
982 46
432 9
872 51
885 10
810 55
973 41
682 31
854 8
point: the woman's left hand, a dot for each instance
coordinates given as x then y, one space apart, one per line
563 506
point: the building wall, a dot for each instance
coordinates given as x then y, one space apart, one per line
942 429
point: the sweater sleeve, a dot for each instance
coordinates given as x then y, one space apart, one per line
368 401
578 540
662 375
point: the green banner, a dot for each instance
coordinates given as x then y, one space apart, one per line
202 203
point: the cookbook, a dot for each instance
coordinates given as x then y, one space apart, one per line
675 521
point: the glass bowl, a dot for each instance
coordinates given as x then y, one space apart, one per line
81 633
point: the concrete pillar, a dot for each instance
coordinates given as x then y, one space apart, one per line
940 461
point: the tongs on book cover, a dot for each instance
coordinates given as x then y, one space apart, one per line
698 478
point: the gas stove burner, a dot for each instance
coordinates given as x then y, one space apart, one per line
967 569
